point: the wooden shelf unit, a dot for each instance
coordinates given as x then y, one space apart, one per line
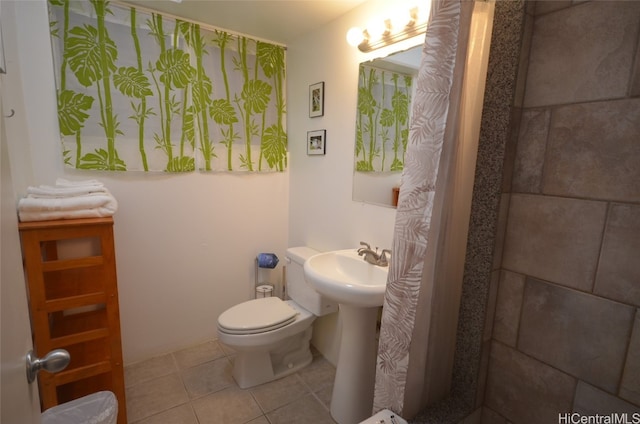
70 269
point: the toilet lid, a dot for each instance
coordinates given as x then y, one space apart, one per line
257 316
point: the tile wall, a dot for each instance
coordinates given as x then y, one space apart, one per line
566 327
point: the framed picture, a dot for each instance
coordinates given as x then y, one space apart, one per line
316 142
316 99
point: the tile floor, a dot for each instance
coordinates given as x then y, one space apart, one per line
195 386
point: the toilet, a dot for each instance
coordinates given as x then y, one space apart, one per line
272 336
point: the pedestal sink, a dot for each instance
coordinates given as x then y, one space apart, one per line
359 288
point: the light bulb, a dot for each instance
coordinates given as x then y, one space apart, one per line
423 12
400 19
355 36
376 29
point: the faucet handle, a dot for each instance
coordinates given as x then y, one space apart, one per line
383 261
362 243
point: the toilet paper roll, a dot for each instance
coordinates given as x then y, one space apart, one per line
267 260
264 290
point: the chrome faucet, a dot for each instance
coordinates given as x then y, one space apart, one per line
373 257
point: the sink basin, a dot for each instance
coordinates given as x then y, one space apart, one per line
345 277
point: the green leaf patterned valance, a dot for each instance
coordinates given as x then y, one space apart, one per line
141 92
382 121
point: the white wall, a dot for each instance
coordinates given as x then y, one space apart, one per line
186 243
322 213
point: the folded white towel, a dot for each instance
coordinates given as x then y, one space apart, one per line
36 204
77 214
70 191
67 200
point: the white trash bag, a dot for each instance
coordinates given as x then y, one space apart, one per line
384 417
97 408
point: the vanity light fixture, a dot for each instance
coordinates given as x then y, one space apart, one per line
384 32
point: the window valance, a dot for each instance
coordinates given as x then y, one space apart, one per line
138 91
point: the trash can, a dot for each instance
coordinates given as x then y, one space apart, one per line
97 408
384 417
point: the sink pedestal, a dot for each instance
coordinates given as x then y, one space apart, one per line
358 287
352 399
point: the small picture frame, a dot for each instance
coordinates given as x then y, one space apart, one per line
316 142
316 99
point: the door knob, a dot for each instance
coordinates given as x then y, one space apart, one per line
54 361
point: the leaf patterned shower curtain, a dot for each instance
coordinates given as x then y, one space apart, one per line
402 347
141 92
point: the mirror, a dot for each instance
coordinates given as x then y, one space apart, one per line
385 90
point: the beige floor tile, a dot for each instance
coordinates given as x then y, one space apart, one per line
277 393
324 396
306 410
226 349
319 374
195 386
154 396
208 378
259 420
228 406
182 414
199 354
149 369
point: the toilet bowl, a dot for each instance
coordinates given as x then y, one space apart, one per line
271 336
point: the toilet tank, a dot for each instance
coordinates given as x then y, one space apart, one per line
297 287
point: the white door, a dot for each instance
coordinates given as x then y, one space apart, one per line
19 401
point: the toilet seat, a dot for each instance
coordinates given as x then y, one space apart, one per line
257 316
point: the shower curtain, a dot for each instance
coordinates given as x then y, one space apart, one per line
423 215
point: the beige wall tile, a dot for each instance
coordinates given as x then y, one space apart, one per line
510 149
474 418
484 372
532 143
547 6
630 387
593 151
635 76
498 247
491 417
590 400
618 274
524 390
491 306
508 307
554 239
582 53
583 335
